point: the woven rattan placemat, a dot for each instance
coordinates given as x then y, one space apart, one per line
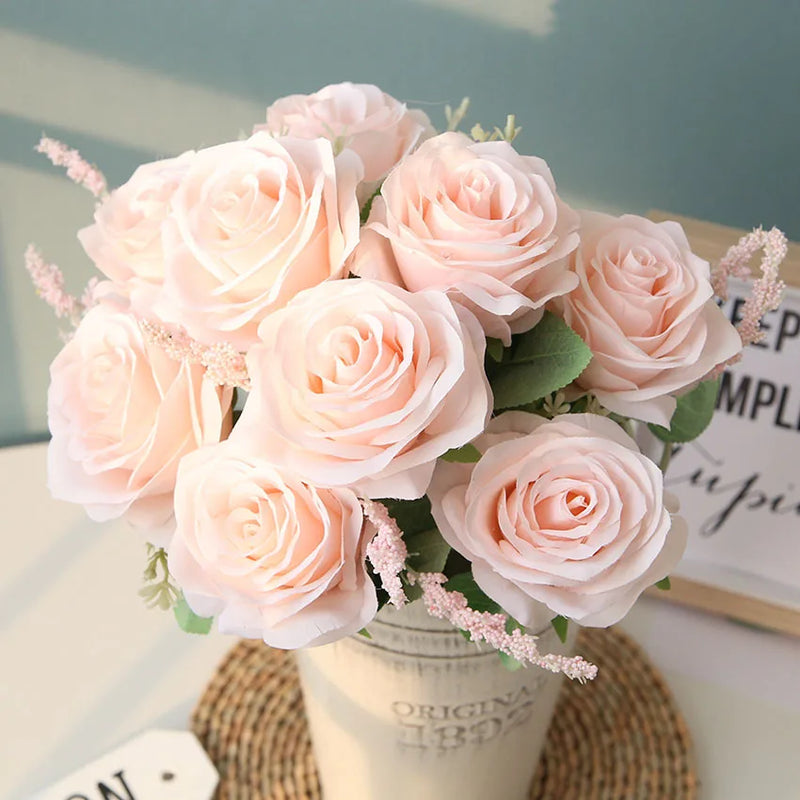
620 737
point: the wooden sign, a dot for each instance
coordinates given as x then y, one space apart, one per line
158 765
739 483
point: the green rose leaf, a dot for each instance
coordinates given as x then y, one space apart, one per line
560 625
692 414
411 516
468 454
477 599
542 361
664 584
188 620
412 592
365 211
494 347
427 550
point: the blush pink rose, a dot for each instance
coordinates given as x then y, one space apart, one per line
269 555
479 221
559 517
644 305
122 414
125 240
364 384
253 223
359 116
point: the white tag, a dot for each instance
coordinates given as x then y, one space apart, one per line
158 765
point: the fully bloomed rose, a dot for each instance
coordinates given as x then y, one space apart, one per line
122 415
361 383
358 116
559 517
125 240
252 223
478 220
644 305
271 556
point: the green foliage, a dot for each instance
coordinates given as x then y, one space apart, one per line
427 551
456 564
664 584
158 591
383 597
188 620
411 516
365 633
494 349
412 591
540 361
560 626
692 414
477 599
467 454
368 206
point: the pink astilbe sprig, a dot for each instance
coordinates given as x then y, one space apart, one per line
767 290
387 551
78 169
90 293
484 626
224 365
48 280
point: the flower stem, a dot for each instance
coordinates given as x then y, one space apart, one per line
666 456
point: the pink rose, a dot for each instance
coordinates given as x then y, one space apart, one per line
122 415
565 515
358 116
272 556
364 384
252 223
125 240
477 220
645 307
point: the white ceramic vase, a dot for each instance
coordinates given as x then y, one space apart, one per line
420 713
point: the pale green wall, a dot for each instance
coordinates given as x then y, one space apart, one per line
690 106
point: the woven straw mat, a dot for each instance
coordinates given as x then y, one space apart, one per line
618 737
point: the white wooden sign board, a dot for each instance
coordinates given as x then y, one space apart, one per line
739 483
158 765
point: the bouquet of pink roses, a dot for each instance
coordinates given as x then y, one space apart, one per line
348 362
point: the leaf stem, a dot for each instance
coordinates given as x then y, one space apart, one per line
666 456
627 426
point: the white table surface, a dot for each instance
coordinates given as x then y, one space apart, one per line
84 666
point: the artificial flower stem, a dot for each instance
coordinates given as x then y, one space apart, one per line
666 457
